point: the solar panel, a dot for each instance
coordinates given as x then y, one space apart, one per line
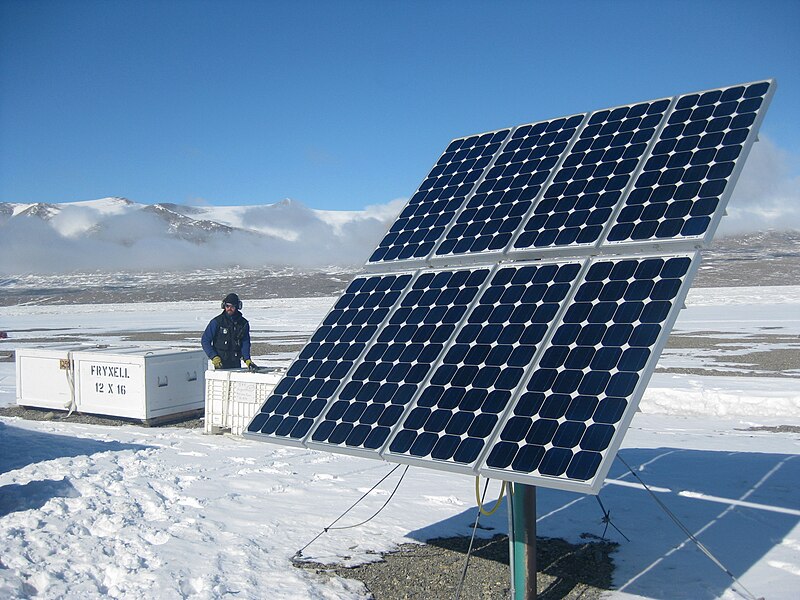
374 397
550 261
690 173
314 376
431 209
568 422
472 386
493 213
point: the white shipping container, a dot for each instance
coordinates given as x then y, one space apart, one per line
45 377
148 384
233 396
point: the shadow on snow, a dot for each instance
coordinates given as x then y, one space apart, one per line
739 505
21 447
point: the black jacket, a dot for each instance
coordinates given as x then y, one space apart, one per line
228 338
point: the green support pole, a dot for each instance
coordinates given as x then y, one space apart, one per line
522 540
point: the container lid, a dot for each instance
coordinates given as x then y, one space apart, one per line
63 348
138 351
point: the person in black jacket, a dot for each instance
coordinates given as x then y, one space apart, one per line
226 340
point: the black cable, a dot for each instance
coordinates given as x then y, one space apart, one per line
381 508
299 553
607 520
471 541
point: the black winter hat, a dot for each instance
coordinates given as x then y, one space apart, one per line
232 299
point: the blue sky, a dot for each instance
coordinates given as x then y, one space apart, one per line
341 105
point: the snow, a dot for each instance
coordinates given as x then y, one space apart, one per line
722 396
106 206
133 512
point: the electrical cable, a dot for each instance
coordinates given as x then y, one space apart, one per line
380 509
607 520
479 500
299 553
688 533
471 541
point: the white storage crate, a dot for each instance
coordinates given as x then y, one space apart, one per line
150 384
233 396
45 376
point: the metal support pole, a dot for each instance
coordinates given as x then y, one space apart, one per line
522 540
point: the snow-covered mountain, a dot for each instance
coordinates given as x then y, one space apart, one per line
116 233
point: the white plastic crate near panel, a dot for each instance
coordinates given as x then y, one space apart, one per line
234 396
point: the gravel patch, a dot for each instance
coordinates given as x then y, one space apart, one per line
733 372
775 429
191 421
266 348
433 570
124 287
731 359
783 359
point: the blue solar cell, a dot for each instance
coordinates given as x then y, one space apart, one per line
470 386
431 209
495 211
573 403
313 377
579 201
528 459
692 161
391 370
583 465
555 461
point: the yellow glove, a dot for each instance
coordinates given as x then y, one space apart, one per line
217 362
251 365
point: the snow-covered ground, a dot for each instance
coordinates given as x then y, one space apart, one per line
135 512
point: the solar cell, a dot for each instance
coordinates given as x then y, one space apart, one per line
460 406
313 377
688 177
362 414
568 422
430 210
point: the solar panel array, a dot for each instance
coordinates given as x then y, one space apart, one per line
519 303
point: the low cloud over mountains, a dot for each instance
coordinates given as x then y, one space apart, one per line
117 234
113 234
